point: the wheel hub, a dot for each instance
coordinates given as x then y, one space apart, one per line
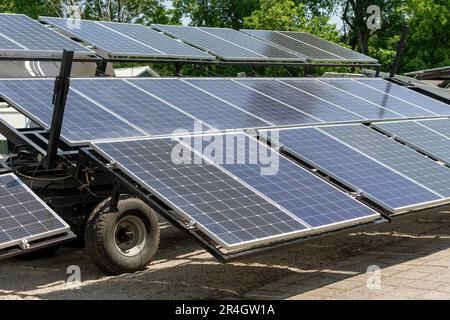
130 236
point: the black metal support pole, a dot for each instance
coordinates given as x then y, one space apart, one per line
400 49
60 93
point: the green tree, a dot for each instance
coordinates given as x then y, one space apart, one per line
428 44
288 15
216 13
30 8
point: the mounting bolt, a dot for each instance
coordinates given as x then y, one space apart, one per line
192 225
24 245
112 165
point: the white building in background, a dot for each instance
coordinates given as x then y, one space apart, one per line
137 72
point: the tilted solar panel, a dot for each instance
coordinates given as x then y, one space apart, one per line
20 34
23 216
394 155
293 45
240 48
212 111
301 101
364 108
228 211
420 137
254 102
389 189
429 104
136 106
83 120
303 194
382 99
328 46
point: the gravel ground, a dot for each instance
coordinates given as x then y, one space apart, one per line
182 270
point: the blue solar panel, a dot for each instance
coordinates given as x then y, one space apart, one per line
218 204
362 107
229 44
21 33
212 111
306 103
442 126
380 184
408 95
104 38
83 120
420 137
394 155
290 186
136 106
23 216
158 41
389 102
254 102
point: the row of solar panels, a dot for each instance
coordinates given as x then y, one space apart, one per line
22 36
107 109
238 206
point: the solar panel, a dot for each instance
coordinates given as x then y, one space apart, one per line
158 41
293 45
23 216
394 155
136 106
212 111
389 189
306 196
328 46
442 126
83 120
387 101
301 101
240 48
362 107
254 102
228 211
432 105
419 137
20 34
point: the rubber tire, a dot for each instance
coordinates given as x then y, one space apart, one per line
99 236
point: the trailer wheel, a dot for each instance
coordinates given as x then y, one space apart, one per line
123 241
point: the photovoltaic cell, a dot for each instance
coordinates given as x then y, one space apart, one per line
83 120
362 107
394 155
328 46
291 44
155 39
409 95
227 50
441 126
103 38
23 216
420 137
227 210
301 101
254 102
290 186
139 108
380 184
377 97
21 33
212 111
255 45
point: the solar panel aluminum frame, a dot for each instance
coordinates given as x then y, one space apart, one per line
183 216
298 60
56 232
406 141
393 211
118 56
